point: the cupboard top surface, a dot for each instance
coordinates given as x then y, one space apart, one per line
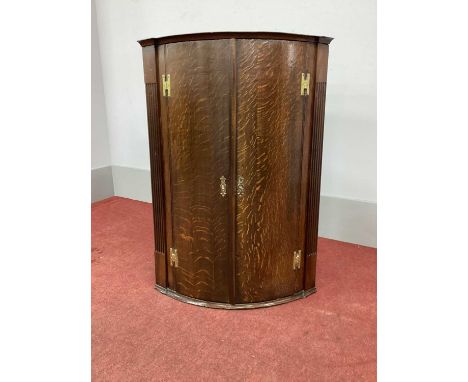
242 35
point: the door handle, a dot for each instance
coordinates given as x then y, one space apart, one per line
222 186
240 186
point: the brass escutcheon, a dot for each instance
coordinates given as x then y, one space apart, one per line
222 186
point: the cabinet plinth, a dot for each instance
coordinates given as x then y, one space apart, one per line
235 123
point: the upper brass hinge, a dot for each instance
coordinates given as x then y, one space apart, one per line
305 81
166 85
297 259
173 258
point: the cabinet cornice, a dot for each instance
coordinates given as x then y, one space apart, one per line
238 35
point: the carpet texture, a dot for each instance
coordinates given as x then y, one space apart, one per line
138 334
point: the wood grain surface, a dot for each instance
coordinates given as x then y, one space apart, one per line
315 165
150 59
235 35
269 157
198 125
235 110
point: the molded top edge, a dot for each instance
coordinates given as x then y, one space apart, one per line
226 35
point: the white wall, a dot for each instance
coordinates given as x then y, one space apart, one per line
102 183
349 159
100 151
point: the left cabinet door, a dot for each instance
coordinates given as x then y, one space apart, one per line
196 121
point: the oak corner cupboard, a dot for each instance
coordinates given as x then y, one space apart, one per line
235 123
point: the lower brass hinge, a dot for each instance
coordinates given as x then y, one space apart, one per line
173 258
297 259
166 85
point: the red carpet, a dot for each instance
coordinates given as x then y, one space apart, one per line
139 334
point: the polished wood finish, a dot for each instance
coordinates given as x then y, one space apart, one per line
220 305
198 127
235 35
269 144
235 110
156 163
315 165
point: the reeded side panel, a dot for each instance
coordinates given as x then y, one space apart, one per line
198 126
156 165
269 159
314 180
315 165
156 162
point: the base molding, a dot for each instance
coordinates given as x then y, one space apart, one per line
348 220
102 184
132 183
222 305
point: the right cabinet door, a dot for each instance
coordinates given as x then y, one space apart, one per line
272 116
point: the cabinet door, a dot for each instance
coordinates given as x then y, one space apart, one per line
196 119
270 128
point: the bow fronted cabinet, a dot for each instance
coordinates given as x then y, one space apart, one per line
235 133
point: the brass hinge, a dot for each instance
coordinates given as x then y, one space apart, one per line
305 80
297 260
166 85
174 259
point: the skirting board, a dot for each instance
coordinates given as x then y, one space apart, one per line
352 221
132 183
348 220
102 184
